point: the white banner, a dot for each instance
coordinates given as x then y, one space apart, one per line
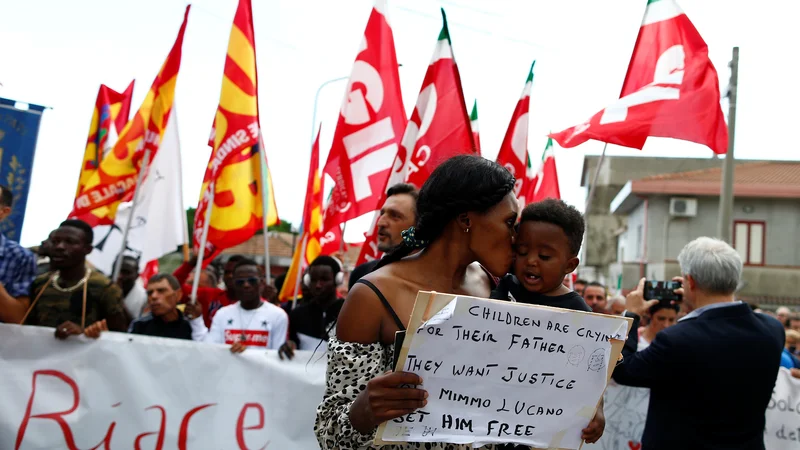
159 222
124 391
626 413
783 414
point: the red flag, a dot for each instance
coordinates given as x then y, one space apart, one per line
671 89
370 126
513 153
546 184
439 128
311 227
473 119
150 269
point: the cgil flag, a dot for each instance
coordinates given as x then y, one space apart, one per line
671 89
159 222
311 228
370 125
513 153
234 169
115 178
439 128
473 123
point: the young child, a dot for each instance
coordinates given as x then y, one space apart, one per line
547 245
546 249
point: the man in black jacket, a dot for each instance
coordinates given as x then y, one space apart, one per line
398 213
164 319
711 375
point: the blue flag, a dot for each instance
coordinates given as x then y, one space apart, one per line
19 129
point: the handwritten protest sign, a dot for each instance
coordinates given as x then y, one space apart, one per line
783 414
504 372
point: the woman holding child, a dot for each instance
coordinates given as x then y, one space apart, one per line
465 232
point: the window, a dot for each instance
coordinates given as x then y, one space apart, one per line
748 239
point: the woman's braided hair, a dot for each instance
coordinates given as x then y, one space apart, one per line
461 184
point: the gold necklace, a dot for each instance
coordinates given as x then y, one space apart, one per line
57 278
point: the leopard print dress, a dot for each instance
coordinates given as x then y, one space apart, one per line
350 367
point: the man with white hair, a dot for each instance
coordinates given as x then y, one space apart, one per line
616 305
783 314
710 375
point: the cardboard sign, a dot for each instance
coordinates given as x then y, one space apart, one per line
499 372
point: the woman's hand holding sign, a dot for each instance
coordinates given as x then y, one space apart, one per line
387 398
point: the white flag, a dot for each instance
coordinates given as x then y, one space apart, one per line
159 222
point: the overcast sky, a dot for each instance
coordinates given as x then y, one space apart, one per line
57 53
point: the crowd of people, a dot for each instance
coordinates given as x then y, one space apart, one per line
462 233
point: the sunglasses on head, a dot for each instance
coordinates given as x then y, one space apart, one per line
253 281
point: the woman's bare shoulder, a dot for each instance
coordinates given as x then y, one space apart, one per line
360 317
479 282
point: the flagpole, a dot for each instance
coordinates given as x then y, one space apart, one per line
127 229
265 204
185 246
341 242
201 252
299 276
592 186
726 192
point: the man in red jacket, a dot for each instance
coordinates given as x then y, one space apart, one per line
210 299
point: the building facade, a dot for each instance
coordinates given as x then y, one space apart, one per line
664 212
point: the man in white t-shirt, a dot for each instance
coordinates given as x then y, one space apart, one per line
252 322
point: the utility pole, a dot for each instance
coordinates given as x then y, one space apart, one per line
726 193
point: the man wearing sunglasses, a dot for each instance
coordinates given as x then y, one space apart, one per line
252 322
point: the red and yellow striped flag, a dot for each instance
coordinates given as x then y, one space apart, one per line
115 178
235 166
111 111
311 225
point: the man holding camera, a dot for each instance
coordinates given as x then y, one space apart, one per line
711 375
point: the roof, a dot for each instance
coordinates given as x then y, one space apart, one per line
769 301
618 169
762 179
280 245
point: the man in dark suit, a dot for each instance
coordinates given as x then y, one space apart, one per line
712 374
398 213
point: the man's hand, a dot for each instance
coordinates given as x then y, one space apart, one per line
635 301
68 329
238 347
795 373
287 349
684 306
594 430
192 310
93 331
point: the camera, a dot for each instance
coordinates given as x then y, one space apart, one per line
663 291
